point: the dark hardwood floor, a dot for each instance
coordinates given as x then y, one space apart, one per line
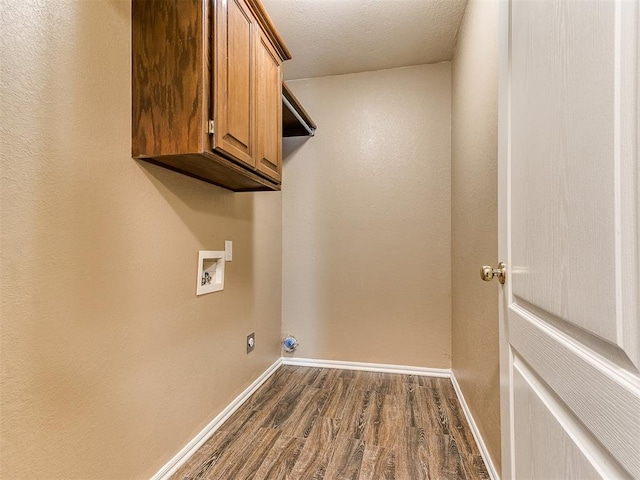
317 423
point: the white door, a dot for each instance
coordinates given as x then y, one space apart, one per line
569 216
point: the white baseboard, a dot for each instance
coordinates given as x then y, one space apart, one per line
369 367
183 455
474 430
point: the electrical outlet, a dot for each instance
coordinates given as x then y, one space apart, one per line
251 342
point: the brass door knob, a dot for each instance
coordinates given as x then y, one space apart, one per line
487 273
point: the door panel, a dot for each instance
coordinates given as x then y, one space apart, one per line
269 109
563 215
547 452
569 197
234 82
590 387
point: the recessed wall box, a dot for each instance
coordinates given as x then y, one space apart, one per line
210 271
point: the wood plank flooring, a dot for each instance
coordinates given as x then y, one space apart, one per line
316 423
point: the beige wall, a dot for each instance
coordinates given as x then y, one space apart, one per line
366 219
474 217
110 364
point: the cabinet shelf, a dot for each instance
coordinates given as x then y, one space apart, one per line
296 122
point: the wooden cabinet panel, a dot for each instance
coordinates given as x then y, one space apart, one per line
234 37
268 109
169 108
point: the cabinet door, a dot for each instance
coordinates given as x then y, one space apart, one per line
233 85
268 109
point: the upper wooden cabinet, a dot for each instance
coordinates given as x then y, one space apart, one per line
207 89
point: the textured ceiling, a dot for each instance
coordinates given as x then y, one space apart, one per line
332 37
